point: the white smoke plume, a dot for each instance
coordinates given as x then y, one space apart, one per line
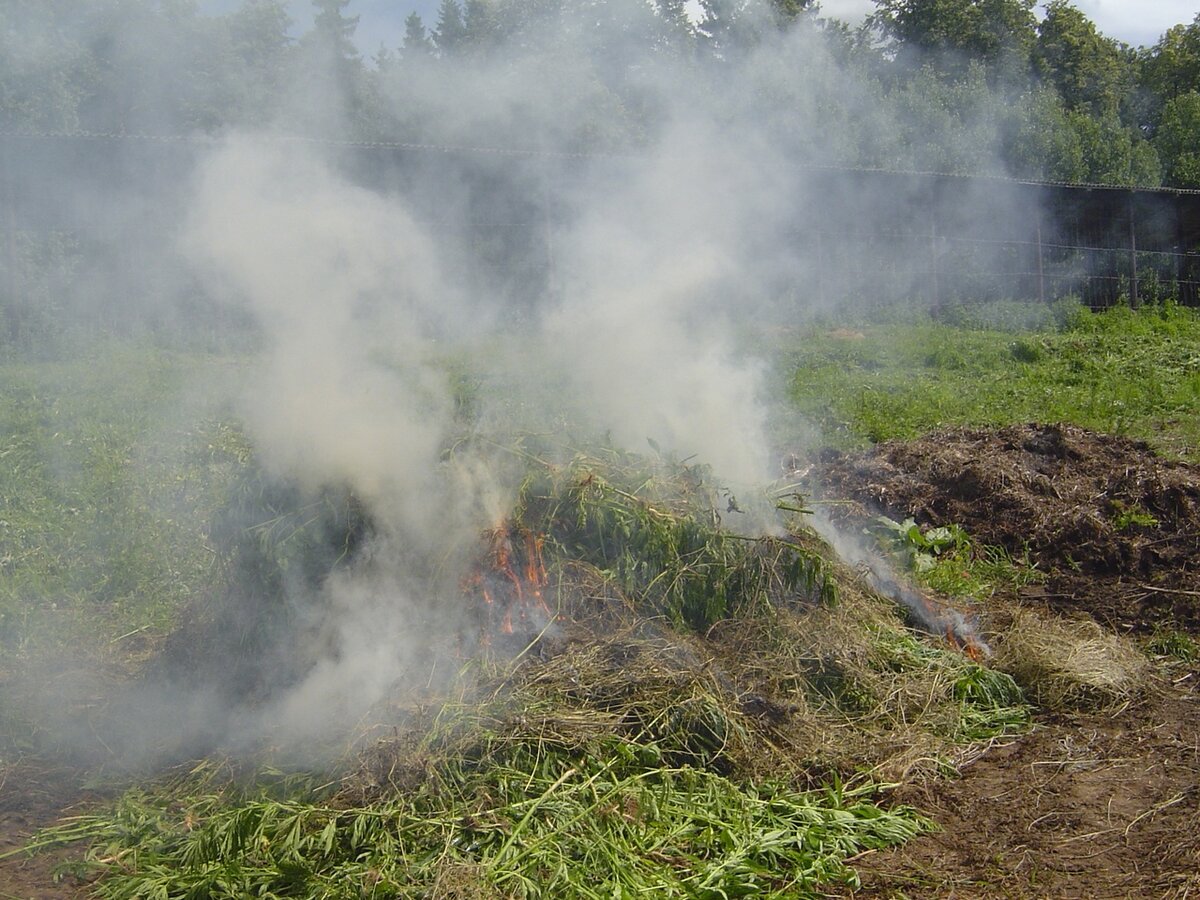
658 265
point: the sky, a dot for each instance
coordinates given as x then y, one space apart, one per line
1136 22
381 22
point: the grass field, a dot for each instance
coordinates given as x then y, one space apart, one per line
1123 372
112 472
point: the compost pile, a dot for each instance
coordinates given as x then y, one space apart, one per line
1114 527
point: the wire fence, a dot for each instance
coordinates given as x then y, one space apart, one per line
94 213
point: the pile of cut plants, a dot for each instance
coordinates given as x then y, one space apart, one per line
654 698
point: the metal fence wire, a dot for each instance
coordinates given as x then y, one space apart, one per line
94 212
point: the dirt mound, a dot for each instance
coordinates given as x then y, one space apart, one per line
1115 528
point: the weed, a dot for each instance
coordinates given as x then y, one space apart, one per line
1169 642
1125 516
540 825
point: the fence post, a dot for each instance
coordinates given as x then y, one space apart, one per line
1183 292
1041 278
8 190
1133 269
820 270
933 255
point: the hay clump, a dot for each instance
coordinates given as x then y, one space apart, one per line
1070 663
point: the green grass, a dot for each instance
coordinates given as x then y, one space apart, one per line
107 485
533 824
1128 373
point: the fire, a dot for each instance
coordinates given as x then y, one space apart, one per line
934 616
510 579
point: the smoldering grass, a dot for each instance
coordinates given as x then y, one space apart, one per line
657 531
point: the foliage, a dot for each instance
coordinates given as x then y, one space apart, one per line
1176 140
921 547
655 530
1172 67
1131 517
1087 69
998 33
944 559
145 66
535 826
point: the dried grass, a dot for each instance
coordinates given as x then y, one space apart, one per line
1070 663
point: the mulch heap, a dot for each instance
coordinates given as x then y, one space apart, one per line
1114 527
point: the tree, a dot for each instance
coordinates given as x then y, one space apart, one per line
336 87
1041 143
262 50
44 67
1114 153
416 40
1173 66
998 33
1178 140
731 25
1089 70
333 30
482 22
451 29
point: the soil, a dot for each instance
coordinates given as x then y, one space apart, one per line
1101 803
1114 527
1084 806
1093 804
33 797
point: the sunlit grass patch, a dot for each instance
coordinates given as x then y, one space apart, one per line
1129 373
107 489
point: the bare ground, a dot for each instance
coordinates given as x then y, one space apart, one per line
1090 805
34 797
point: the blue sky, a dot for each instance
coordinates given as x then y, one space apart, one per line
1137 22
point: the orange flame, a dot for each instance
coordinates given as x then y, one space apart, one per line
510 579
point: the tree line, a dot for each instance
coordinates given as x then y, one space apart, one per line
970 86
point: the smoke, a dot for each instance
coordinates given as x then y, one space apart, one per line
923 610
624 294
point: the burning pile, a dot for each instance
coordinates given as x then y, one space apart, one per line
701 685
511 580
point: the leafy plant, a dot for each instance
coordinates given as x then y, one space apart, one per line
536 826
920 548
1126 516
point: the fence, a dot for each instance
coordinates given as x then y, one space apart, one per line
847 234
